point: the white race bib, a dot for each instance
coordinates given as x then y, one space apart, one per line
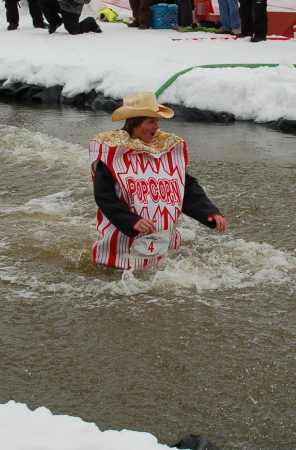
150 246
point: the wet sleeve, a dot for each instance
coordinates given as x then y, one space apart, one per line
196 204
109 203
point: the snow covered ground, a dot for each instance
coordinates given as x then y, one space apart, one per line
23 429
122 60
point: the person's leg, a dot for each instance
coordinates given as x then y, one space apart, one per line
52 13
234 15
12 14
145 13
71 22
224 15
185 17
135 5
260 19
35 12
73 26
246 15
88 25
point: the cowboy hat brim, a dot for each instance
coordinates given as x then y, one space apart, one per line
127 112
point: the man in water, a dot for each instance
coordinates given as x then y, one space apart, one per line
141 187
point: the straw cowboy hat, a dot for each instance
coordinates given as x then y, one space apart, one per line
141 104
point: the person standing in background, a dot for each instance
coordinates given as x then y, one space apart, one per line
229 14
13 18
141 14
185 8
254 21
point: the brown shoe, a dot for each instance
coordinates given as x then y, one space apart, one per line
236 32
222 31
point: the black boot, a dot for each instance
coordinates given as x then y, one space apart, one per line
257 39
98 29
53 28
12 26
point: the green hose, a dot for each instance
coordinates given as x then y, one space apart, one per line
209 66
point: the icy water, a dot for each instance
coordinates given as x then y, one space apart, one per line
204 343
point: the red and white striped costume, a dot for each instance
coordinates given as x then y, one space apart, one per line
149 179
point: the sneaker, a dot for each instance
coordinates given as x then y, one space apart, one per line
53 28
236 32
133 24
12 26
143 27
41 25
222 31
256 39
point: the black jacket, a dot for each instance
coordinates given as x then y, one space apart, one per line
73 6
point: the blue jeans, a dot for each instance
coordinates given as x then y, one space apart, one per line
229 14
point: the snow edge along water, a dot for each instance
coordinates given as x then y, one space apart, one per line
22 92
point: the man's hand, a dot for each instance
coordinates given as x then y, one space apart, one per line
145 226
221 223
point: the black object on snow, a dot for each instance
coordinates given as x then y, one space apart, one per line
210 24
194 442
104 103
31 93
39 94
53 94
284 125
198 115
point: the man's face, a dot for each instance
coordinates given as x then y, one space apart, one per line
146 130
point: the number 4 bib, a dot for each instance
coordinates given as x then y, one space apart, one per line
150 246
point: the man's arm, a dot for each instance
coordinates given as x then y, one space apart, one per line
197 205
111 206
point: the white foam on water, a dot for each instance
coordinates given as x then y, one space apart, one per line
58 204
19 145
206 264
233 264
230 264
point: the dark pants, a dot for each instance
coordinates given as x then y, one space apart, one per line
55 16
185 17
253 14
141 11
12 14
